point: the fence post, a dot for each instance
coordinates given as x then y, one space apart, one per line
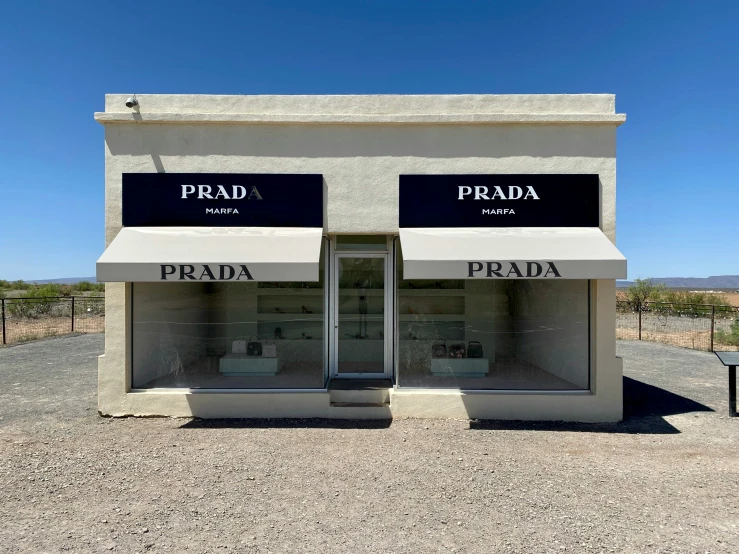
73 314
639 308
2 300
713 319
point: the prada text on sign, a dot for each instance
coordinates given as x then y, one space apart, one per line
222 200
512 270
499 200
205 272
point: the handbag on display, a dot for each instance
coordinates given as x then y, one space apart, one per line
238 346
438 349
474 349
253 348
269 349
457 351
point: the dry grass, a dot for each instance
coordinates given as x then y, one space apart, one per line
686 332
18 330
731 297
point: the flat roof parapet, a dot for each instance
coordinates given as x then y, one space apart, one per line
364 109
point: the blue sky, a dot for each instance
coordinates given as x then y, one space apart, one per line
672 65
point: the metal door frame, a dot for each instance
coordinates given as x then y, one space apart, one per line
388 315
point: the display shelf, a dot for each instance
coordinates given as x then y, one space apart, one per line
420 318
241 365
265 338
295 339
281 318
448 340
360 317
459 367
289 292
366 292
430 292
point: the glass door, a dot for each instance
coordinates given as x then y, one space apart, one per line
361 325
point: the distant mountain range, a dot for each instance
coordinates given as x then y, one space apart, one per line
65 281
702 283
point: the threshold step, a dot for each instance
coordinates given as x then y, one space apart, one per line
359 384
360 404
360 396
360 392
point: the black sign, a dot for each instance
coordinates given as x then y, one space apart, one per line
551 200
222 200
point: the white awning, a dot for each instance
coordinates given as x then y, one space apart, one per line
508 253
186 254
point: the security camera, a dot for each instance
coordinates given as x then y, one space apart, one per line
131 102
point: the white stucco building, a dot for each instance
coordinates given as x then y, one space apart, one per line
361 256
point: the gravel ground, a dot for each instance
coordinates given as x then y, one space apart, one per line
664 480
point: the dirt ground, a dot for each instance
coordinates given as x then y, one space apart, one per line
666 479
27 329
733 298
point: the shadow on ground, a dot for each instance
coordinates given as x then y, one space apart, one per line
645 407
287 424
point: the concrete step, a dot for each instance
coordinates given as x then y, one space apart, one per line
360 391
360 404
371 396
359 411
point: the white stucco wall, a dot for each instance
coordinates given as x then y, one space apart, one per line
360 144
360 163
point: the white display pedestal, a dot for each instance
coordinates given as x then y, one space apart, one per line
459 367
243 365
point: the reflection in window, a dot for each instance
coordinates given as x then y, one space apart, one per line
493 334
361 315
228 335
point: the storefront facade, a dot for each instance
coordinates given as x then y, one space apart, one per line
361 257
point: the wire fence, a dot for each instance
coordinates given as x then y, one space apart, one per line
697 326
27 319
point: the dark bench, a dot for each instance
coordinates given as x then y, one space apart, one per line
731 360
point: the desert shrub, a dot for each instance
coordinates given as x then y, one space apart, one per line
87 286
31 308
49 289
654 297
83 286
730 337
4 284
19 285
694 297
89 307
690 304
38 301
644 290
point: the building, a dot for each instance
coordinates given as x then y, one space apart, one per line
361 256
